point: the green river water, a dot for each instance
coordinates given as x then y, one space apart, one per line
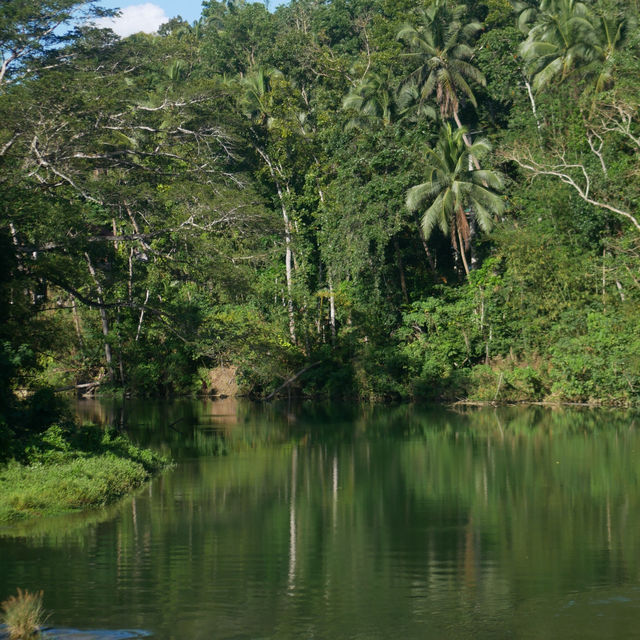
328 522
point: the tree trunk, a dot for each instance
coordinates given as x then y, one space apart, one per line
76 322
332 310
474 160
146 299
104 319
462 251
403 280
332 299
288 259
288 247
527 84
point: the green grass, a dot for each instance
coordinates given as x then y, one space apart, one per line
70 470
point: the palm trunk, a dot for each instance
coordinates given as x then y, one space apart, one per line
466 138
474 160
462 251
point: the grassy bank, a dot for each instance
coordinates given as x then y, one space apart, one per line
75 468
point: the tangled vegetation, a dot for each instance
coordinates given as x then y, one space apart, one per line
422 198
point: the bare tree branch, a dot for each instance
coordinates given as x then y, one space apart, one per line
563 170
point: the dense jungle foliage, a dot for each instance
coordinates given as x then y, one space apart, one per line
421 198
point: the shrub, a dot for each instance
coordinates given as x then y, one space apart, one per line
24 615
603 362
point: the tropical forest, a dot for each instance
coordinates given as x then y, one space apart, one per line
416 199
336 305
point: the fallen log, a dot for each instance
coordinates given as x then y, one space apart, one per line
78 387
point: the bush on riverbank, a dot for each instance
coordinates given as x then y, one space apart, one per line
65 469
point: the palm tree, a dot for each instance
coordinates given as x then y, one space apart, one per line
452 189
569 36
372 99
611 29
256 93
441 47
562 38
526 12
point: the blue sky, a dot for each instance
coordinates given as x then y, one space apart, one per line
147 15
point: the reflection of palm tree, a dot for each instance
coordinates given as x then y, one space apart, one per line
442 50
451 187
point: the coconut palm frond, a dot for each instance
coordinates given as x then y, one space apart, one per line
480 148
568 36
417 195
352 101
433 217
546 75
454 190
492 179
443 43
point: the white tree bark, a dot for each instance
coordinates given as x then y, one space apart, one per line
287 239
564 171
104 318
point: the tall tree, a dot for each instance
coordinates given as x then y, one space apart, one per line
257 103
31 30
452 189
441 47
567 36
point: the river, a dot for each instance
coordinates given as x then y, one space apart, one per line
338 521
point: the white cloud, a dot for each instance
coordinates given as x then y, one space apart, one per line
145 17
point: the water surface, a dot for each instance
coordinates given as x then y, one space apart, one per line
344 522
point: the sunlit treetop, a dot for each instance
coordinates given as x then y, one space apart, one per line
31 29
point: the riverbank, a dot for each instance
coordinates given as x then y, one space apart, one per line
68 469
